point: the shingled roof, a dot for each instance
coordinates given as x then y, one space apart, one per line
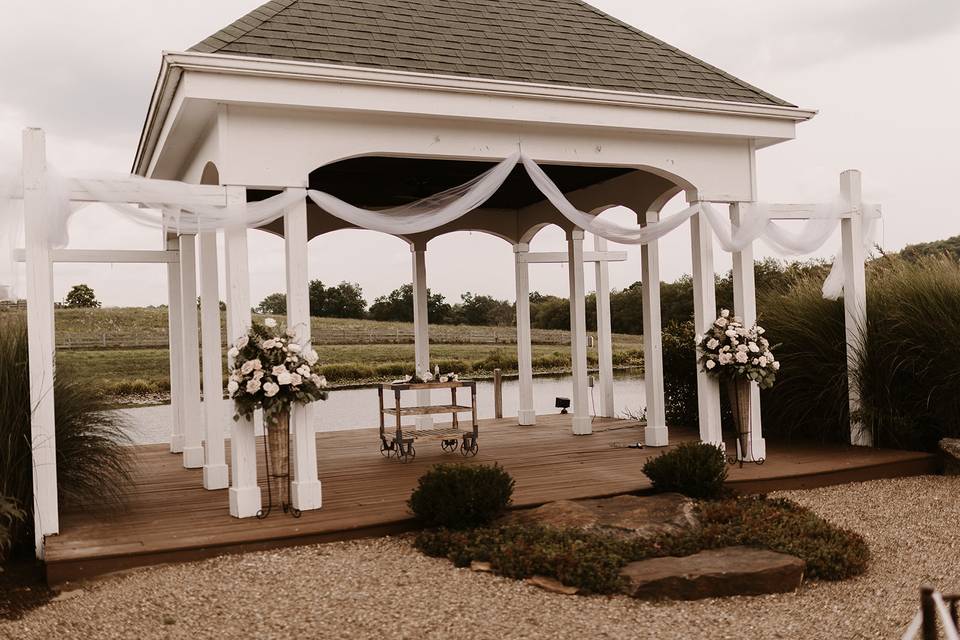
560 42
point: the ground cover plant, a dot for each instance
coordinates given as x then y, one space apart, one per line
93 463
459 496
592 561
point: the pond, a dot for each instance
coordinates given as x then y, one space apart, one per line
357 408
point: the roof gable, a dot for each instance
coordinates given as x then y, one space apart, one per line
559 42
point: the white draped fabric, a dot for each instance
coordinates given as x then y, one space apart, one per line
176 207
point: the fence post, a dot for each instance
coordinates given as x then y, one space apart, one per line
498 393
928 609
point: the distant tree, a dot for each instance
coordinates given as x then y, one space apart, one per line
550 312
318 297
485 310
81 297
398 306
274 304
626 309
344 301
949 246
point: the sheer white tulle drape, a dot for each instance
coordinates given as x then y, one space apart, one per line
175 206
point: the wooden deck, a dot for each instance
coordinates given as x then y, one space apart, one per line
171 517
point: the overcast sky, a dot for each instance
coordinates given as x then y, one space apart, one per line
882 73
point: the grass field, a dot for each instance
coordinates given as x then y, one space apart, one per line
122 352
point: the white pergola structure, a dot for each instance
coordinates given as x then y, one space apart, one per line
273 102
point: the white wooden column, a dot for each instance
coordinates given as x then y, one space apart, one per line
40 332
705 312
854 296
215 474
305 492
421 327
745 306
175 339
656 433
245 498
604 331
526 414
582 423
193 409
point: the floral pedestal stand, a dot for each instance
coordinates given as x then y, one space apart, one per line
739 391
276 446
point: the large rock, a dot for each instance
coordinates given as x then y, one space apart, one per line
623 516
731 571
951 456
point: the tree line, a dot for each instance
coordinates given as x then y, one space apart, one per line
346 300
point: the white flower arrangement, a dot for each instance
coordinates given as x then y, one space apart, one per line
272 372
729 349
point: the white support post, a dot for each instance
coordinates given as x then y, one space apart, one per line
582 423
656 433
305 491
245 498
421 327
705 311
193 409
215 474
604 332
854 297
175 339
745 306
40 334
526 414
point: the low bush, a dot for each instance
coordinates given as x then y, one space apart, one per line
348 372
592 561
93 459
136 387
630 357
459 367
503 360
554 360
458 496
695 469
680 374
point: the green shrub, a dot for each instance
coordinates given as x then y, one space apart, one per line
10 515
553 360
460 496
680 374
499 359
388 369
453 366
630 357
592 561
348 372
695 469
93 459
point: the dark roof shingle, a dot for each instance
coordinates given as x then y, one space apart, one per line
566 42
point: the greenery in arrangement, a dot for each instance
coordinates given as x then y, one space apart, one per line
81 297
458 496
695 469
93 459
731 350
592 561
272 372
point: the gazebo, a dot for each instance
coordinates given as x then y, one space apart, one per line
381 103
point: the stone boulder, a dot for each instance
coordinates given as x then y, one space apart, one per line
950 447
731 571
621 516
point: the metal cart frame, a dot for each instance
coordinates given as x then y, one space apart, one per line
400 443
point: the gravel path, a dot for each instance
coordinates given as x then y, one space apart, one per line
384 589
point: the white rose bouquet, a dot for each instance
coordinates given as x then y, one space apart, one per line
729 349
272 371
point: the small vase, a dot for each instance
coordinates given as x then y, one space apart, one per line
739 392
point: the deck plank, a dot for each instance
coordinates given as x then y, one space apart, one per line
171 517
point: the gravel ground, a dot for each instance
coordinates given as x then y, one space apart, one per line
384 589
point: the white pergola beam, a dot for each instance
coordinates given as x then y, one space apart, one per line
554 257
40 338
745 306
704 311
193 409
175 339
215 474
305 490
244 494
582 423
124 191
421 327
526 414
606 407
656 433
170 256
854 298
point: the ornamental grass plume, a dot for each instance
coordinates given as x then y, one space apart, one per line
93 457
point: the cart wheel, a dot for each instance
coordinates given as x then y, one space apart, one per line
469 448
386 450
450 446
408 454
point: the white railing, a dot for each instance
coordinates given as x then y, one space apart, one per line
934 609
